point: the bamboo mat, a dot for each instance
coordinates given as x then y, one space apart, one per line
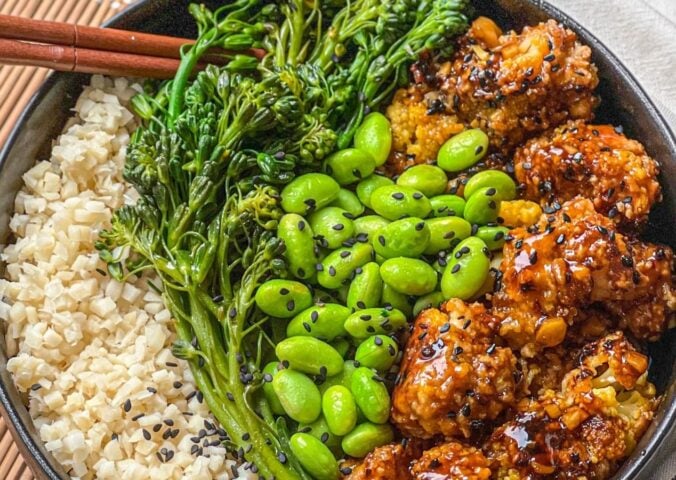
17 85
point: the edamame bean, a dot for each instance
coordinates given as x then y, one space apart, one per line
365 438
348 201
447 206
340 264
308 193
339 409
445 232
369 225
320 430
466 270
314 456
493 237
324 322
269 372
428 179
283 298
370 395
331 226
497 179
342 346
395 201
371 321
409 276
407 237
463 150
344 378
483 206
374 136
298 395
309 355
366 287
377 352
298 239
366 187
431 300
350 165
392 298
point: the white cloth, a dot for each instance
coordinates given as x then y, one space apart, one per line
642 33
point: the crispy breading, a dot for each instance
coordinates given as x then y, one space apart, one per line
453 380
451 461
594 161
389 462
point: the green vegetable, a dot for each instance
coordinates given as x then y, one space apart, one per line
369 225
283 298
463 150
366 288
370 394
331 226
315 457
483 206
309 355
348 201
340 410
365 438
493 237
298 395
407 237
467 269
308 193
370 321
366 187
374 136
342 346
497 179
269 372
409 276
431 300
445 232
378 352
395 202
340 264
350 165
428 179
447 206
320 430
392 298
324 322
299 244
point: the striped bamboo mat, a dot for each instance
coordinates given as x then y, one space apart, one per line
17 85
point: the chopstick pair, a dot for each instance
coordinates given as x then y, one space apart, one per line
76 48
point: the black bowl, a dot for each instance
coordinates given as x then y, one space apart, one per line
624 103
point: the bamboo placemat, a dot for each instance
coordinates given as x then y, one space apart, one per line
17 85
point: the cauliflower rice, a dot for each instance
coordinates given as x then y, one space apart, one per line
93 355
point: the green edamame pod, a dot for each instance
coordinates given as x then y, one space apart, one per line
366 287
445 232
298 395
269 372
309 355
283 298
428 179
308 193
342 346
314 456
371 395
348 201
323 321
497 179
483 206
463 150
377 352
300 252
371 321
407 237
447 206
374 136
392 298
339 265
331 226
350 165
466 270
431 300
493 237
365 438
339 409
368 225
409 276
395 201
366 187
320 430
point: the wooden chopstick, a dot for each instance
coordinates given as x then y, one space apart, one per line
76 48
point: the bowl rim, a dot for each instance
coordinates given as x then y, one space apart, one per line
44 465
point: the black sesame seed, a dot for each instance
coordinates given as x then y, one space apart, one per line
283 291
319 267
177 385
465 410
325 437
455 268
479 149
398 196
549 57
560 239
136 417
491 191
445 328
307 327
627 261
418 195
491 349
533 257
332 271
127 405
301 225
146 434
338 226
344 254
381 240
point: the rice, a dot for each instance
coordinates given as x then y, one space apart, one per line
93 355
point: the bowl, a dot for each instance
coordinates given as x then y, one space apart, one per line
624 102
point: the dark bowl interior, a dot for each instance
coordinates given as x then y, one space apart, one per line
624 103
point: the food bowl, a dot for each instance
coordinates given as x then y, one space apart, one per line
624 102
